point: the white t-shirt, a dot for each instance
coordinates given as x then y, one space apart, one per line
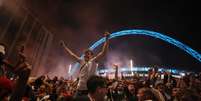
87 70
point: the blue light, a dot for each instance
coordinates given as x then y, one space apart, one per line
163 37
138 69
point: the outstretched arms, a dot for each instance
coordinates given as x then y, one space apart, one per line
105 46
69 51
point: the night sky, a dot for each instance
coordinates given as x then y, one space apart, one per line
82 22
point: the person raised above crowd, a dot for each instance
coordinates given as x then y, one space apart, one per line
87 64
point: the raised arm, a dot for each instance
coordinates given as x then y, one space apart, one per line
105 46
22 69
69 51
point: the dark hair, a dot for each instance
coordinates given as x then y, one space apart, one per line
94 82
88 51
148 94
3 44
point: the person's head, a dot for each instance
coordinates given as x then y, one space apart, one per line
160 87
88 54
131 88
140 93
120 87
175 92
42 77
42 88
146 94
97 87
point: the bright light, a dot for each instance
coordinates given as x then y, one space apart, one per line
69 68
131 66
137 69
97 69
182 74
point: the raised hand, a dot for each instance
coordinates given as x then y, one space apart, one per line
115 65
107 34
62 43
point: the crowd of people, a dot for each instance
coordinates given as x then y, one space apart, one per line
151 88
90 87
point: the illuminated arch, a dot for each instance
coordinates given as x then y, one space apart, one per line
163 37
